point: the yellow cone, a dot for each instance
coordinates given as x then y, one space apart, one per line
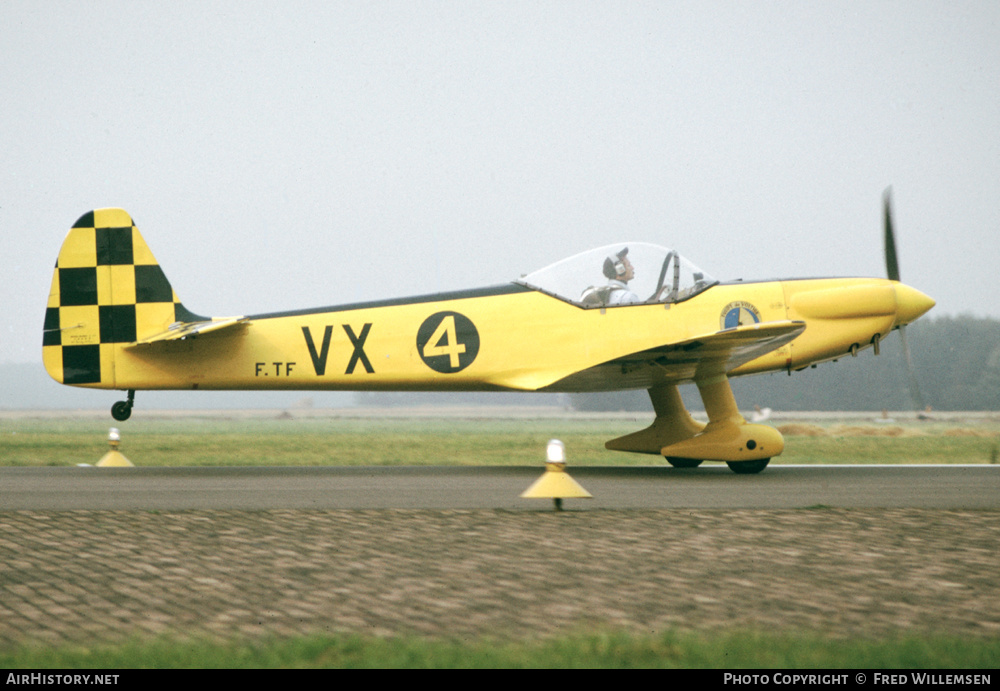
114 457
555 483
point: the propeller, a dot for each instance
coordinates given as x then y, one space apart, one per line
892 271
891 263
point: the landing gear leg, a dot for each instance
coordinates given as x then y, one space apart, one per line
122 410
746 447
673 423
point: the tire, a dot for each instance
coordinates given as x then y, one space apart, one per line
683 462
748 467
121 411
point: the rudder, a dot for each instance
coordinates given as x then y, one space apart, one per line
107 291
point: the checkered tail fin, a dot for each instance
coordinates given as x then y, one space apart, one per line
107 291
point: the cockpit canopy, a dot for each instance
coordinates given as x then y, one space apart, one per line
660 275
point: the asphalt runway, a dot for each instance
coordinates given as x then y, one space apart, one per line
618 488
107 555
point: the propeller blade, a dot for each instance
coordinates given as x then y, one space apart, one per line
892 271
891 264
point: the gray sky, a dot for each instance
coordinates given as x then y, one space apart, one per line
297 154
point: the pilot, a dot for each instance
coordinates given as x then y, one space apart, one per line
619 271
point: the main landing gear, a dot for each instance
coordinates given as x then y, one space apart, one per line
738 467
748 467
122 410
683 462
746 448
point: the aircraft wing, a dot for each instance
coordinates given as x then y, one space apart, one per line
181 330
684 361
726 349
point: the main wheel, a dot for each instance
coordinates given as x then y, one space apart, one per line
748 467
683 462
121 411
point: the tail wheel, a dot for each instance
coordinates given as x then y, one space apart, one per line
683 462
748 467
122 410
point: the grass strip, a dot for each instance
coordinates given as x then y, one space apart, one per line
193 441
602 649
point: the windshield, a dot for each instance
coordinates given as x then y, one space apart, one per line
624 274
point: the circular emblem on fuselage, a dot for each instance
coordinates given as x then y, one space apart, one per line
448 342
739 313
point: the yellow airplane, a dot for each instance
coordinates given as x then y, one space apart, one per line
626 316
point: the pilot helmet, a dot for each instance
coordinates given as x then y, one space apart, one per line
614 265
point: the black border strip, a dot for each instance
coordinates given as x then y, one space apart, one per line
740 281
506 289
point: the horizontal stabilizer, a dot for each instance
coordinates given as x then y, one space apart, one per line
179 330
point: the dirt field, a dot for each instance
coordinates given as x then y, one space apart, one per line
91 576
